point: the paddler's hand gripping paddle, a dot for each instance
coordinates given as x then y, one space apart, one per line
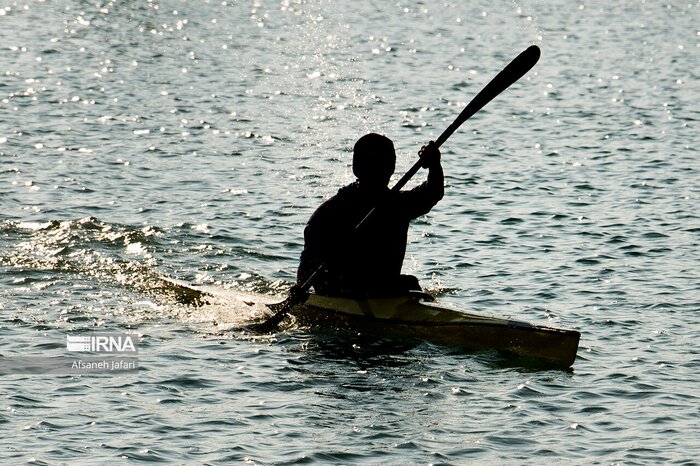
511 73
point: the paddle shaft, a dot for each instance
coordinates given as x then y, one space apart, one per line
502 81
511 73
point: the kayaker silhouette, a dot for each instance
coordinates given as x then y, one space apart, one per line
366 262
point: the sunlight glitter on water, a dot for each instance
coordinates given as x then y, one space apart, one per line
569 203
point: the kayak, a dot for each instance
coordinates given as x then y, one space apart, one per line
416 315
412 316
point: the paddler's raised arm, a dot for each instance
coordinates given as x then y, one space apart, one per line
430 158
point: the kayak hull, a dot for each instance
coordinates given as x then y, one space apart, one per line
413 317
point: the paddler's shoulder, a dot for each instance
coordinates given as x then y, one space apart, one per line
352 189
345 195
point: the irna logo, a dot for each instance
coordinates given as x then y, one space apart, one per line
103 343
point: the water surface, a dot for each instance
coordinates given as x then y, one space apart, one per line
194 140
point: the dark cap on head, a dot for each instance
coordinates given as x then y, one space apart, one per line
374 158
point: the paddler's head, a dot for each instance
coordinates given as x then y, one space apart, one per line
374 160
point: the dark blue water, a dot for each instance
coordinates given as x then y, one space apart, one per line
193 140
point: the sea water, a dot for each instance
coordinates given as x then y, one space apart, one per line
193 140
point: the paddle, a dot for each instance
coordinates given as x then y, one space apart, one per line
511 73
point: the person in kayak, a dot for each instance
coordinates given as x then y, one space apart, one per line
366 262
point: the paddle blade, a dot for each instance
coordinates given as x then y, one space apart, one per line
515 70
280 310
